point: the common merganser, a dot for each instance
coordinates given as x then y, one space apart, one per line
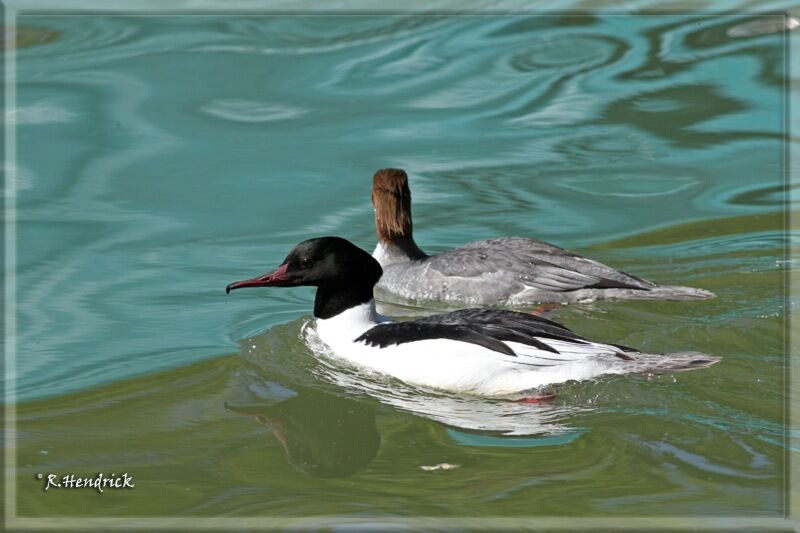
506 272
485 352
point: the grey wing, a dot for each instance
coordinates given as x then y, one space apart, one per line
533 263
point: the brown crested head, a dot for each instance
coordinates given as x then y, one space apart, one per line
391 198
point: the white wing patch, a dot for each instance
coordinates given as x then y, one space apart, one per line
568 352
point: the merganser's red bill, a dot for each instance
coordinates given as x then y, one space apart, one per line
275 278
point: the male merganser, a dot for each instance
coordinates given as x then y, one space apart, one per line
511 271
486 352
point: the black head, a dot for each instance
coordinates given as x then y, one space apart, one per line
342 272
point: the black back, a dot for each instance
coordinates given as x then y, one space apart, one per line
484 327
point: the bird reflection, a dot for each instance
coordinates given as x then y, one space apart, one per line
323 435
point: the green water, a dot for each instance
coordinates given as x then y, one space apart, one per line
160 158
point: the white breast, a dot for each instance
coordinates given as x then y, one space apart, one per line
345 327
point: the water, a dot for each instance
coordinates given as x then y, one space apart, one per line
161 157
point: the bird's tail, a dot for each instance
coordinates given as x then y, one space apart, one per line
668 362
676 292
658 292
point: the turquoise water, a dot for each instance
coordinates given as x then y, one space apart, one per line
161 157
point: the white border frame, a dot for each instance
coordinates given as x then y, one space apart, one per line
12 521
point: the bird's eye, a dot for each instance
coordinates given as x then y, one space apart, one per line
307 263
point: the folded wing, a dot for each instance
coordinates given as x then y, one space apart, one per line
490 328
534 264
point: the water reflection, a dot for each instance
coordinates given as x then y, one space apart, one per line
771 196
674 112
324 415
30 35
677 46
323 435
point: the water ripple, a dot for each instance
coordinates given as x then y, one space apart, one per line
90 37
43 112
566 51
323 33
249 111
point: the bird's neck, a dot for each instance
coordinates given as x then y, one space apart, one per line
351 322
334 299
397 250
394 227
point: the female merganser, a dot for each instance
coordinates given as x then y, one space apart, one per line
486 352
512 271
